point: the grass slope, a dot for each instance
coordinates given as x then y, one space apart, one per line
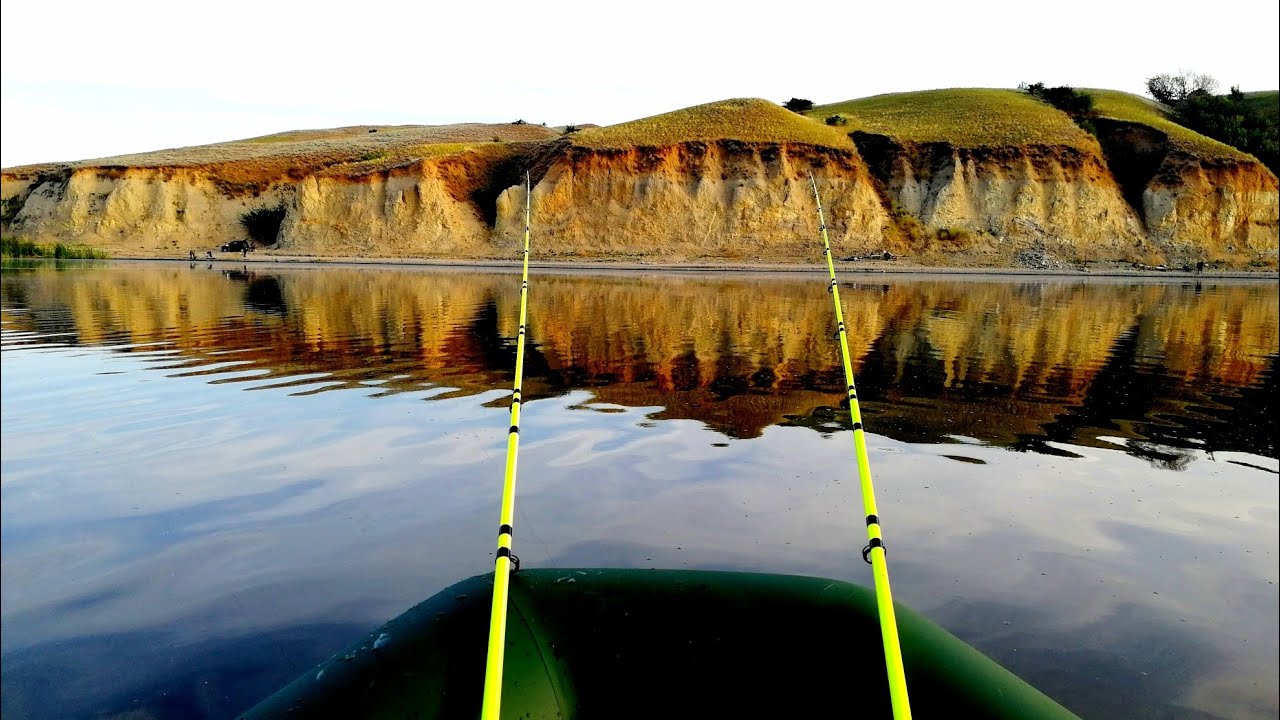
745 119
1134 108
964 117
336 151
1267 102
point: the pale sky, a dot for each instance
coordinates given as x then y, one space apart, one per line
88 78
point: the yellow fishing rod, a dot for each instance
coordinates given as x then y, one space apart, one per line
874 551
505 561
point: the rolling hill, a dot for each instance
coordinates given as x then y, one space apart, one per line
743 119
966 117
975 176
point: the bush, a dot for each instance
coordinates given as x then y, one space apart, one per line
1231 119
373 155
1064 97
798 105
837 120
263 224
911 230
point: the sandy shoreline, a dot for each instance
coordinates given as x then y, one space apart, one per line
876 268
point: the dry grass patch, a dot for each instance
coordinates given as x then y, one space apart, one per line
467 154
746 120
243 165
396 157
1136 109
966 117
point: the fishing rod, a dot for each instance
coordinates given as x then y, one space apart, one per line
505 562
873 553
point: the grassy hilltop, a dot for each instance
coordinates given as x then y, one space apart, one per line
963 117
965 176
974 117
345 151
1133 108
743 119
966 117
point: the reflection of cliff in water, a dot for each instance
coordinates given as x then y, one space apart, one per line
1017 364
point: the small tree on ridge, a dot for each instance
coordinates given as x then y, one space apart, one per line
1173 89
798 105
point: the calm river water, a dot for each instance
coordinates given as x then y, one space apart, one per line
215 475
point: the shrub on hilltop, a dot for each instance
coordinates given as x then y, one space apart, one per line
1064 97
798 105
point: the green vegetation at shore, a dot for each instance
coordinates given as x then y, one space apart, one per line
969 117
12 247
744 119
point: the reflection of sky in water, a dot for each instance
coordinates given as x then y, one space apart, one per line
173 543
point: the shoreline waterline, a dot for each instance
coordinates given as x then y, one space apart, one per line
702 267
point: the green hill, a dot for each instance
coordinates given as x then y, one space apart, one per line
1267 102
1134 108
745 119
965 117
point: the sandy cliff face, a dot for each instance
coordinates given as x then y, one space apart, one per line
1198 210
126 210
403 213
436 207
698 199
16 187
1194 207
1060 199
719 199
430 207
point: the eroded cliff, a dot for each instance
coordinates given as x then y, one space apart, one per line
725 180
1199 199
1219 210
1056 199
132 210
727 199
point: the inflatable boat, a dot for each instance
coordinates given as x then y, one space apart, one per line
594 643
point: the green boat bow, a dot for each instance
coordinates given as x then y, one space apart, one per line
594 643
